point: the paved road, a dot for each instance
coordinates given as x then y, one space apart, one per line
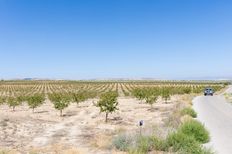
216 114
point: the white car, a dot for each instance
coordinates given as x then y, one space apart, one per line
208 92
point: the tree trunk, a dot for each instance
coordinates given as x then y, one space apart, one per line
166 100
33 110
106 117
61 113
13 108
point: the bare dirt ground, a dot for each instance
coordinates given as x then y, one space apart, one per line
81 130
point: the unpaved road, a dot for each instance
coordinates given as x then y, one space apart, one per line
216 114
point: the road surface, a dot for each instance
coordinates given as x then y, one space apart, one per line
216 114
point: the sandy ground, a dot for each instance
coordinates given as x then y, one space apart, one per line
216 113
81 130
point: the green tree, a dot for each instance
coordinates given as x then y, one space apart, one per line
21 99
35 101
108 103
13 102
79 97
60 101
139 93
187 90
151 99
165 94
2 100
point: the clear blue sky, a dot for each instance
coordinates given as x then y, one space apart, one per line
84 39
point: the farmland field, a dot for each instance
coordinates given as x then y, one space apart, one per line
32 121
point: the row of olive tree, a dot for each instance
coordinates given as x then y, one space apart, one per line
151 95
63 100
107 103
33 101
173 90
60 100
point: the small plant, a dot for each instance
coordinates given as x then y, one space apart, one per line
35 101
108 103
189 111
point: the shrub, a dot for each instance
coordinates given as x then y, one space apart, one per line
144 144
138 144
186 140
159 144
179 141
189 111
122 142
196 130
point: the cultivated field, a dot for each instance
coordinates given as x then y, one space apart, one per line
71 117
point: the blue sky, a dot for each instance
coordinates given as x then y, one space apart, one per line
85 39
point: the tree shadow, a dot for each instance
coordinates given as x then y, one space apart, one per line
153 109
41 112
69 114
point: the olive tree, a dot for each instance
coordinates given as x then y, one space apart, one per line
21 99
35 101
79 97
60 101
108 103
13 102
165 94
2 100
139 93
151 99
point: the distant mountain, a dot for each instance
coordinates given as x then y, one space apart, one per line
28 79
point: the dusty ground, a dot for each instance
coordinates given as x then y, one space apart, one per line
81 130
